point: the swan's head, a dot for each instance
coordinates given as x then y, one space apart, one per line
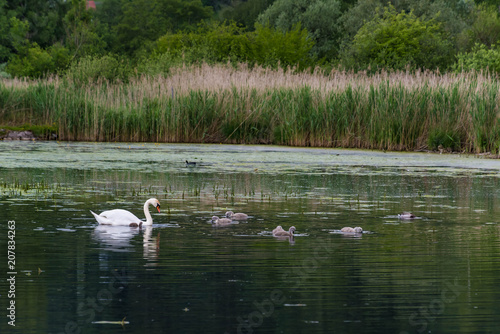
358 229
292 229
214 219
154 202
229 214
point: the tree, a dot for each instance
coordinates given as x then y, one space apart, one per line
144 21
30 60
217 42
272 47
319 17
19 35
398 40
356 16
5 45
81 37
454 16
44 18
214 42
246 12
109 13
485 28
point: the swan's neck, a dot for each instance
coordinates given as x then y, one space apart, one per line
149 219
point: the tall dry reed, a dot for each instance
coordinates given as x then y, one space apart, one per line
395 111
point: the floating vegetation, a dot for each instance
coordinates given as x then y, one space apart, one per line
104 322
29 188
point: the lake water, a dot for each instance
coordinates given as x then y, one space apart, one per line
438 273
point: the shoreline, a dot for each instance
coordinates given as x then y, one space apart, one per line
28 136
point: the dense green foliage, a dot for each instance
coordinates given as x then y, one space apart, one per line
245 13
145 21
40 38
485 27
399 40
92 69
480 58
220 43
128 43
319 17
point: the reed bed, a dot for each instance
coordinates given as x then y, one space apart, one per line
228 104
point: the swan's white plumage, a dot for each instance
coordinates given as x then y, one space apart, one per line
120 217
116 217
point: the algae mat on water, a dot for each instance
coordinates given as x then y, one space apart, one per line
235 158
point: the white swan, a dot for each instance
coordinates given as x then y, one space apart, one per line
121 217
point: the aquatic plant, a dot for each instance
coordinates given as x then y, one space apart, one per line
237 104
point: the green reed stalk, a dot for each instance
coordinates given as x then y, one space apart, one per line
221 104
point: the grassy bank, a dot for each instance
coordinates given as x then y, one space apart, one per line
221 104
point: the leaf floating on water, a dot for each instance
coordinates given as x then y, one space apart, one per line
294 305
122 322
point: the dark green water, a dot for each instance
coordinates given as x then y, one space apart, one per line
436 274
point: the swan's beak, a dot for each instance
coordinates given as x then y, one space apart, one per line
158 207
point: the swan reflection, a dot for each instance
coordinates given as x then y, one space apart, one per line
115 238
119 239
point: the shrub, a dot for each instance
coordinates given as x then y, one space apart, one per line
398 40
34 63
219 43
90 69
30 59
3 73
480 58
159 64
321 19
60 57
211 42
272 47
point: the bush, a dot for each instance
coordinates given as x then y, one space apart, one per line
158 64
30 59
60 57
321 19
272 47
211 42
90 69
480 58
3 74
34 63
220 43
398 40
